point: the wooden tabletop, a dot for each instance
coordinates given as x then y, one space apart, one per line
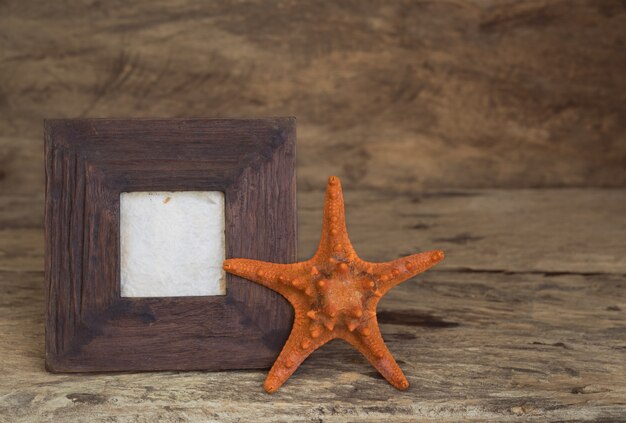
524 320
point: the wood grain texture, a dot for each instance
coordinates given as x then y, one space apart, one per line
428 94
525 320
89 326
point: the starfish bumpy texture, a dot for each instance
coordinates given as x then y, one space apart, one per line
334 295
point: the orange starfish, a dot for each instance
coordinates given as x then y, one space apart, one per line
334 295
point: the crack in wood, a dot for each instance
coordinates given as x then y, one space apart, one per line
547 273
413 318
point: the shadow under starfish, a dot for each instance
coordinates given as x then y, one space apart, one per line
334 295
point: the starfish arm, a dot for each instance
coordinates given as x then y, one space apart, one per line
369 342
298 347
278 277
397 271
334 242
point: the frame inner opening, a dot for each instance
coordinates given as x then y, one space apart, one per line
172 244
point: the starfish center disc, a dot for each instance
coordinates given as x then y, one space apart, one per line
341 297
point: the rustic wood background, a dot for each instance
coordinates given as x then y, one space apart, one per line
415 105
403 94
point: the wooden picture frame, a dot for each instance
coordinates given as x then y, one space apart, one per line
89 162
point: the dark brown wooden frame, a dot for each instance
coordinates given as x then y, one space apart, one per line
89 162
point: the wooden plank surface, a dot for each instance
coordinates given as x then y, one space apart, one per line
511 93
524 320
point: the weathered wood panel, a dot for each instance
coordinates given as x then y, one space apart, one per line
421 93
525 319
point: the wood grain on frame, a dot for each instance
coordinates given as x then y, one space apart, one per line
89 162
